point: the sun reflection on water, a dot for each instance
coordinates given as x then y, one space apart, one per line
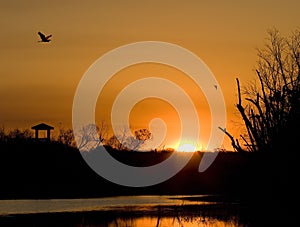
175 221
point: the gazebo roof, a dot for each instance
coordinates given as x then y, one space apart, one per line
42 126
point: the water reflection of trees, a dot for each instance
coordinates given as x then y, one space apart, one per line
190 216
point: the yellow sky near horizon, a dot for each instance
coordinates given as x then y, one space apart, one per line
38 80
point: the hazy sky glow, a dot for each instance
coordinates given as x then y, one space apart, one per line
38 80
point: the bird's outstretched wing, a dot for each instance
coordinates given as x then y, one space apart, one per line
42 35
44 38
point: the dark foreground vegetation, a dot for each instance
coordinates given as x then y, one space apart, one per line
40 169
33 169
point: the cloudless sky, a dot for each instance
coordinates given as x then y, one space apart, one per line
38 80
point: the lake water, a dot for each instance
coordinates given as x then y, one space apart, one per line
9 207
143 211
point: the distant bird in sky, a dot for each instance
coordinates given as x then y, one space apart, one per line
44 38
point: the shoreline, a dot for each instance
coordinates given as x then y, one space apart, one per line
103 204
220 210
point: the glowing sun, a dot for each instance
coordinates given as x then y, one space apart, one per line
186 148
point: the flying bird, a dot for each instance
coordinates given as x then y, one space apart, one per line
44 38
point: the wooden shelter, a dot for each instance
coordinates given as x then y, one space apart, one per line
42 127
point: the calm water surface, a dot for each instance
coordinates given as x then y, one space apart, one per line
95 204
117 211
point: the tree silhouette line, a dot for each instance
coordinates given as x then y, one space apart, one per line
124 141
271 112
269 107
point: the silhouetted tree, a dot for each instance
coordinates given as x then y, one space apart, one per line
88 140
18 134
66 137
2 134
102 129
138 140
114 143
117 141
126 141
272 110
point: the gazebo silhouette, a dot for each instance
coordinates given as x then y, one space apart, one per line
42 127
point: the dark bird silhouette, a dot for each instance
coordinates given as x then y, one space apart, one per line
44 38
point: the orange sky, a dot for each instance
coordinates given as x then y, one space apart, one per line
38 80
